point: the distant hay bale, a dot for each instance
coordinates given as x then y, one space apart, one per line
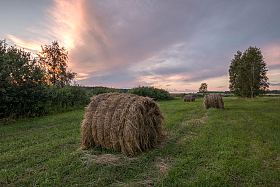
123 122
189 98
213 101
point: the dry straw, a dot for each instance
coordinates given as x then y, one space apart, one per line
213 101
123 122
189 98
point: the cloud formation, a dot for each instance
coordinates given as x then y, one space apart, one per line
174 45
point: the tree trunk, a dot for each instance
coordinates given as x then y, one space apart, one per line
253 79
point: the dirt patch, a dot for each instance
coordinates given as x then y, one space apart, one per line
157 173
163 166
109 159
195 122
188 136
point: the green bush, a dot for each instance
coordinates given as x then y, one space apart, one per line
101 90
24 91
22 83
154 93
67 97
178 95
199 95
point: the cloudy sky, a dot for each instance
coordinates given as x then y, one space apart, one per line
171 44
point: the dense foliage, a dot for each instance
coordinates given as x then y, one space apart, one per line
101 90
22 83
155 93
24 90
247 73
67 96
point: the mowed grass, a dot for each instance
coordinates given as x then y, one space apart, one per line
238 146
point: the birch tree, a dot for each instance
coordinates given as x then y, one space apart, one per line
247 73
54 59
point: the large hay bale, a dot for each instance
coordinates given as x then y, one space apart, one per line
213 101
189 98
124 122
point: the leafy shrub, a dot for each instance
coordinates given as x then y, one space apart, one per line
24 90
22 83
101 90
199 95
155 93
67 96
181 95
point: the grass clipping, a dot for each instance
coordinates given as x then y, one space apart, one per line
213 101
123 122
189 98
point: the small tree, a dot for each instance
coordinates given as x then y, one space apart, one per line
54 59
203 88
247 73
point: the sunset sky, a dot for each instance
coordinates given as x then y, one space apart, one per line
171 44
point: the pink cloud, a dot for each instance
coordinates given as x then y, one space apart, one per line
28 46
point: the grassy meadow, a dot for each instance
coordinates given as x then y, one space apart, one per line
238 146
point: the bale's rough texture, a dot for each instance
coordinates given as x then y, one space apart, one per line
123 122
189 98
213 101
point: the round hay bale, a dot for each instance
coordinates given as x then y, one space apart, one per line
123 122
213 101
189 98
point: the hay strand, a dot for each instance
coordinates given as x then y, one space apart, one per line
213 101
123 122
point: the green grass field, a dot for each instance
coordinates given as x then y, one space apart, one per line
238 146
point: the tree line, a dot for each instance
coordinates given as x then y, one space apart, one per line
145 91
35 86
